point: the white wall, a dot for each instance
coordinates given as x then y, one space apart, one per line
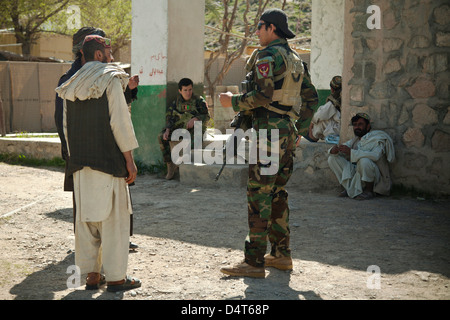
327 41
186 40
149 43
168 41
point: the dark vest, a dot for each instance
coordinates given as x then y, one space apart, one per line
91 141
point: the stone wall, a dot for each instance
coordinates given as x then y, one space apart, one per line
399 74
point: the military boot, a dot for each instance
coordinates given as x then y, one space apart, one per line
244 270
281 263
171 169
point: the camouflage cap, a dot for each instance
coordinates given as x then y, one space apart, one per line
360 115
336 83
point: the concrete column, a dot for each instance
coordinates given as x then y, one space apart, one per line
167 45
327 44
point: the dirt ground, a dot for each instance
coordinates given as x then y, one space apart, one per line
383 249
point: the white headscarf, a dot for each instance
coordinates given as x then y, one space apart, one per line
91 81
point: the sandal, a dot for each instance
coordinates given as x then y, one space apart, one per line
365 196
343 194
130 283
97 285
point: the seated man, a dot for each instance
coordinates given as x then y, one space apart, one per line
361 164
183 112
326 122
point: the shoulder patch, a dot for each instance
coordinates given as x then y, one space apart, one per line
264 67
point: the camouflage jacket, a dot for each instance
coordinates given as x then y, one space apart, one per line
181 111
268 64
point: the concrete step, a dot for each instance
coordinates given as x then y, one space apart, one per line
213 150
211 140
40 147
199 174
311 171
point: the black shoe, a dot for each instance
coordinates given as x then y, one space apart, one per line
129 284
133 246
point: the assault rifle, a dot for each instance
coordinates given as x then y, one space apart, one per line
241 120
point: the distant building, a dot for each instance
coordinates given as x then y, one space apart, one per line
48 45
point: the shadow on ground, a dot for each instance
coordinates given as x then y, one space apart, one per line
397 234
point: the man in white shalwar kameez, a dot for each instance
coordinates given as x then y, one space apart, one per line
361 164
326 122
100 138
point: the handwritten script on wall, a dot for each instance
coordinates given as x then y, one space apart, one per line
155 67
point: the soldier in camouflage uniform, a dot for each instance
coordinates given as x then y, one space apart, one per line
268 210
310 100
182 114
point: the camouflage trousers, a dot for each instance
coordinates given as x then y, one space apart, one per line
268 209
164 145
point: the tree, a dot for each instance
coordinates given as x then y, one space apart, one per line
27 18
231 27
113 16
230 15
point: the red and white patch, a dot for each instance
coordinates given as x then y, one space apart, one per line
264 69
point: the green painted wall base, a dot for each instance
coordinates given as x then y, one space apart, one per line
148 116
323 95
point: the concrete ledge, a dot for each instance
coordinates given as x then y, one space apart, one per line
39 148
204 175
311 171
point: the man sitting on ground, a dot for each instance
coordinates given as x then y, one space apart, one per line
361 164
326 122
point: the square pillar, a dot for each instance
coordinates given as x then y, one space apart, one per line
167 45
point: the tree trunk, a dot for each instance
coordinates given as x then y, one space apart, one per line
2 118
26 49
